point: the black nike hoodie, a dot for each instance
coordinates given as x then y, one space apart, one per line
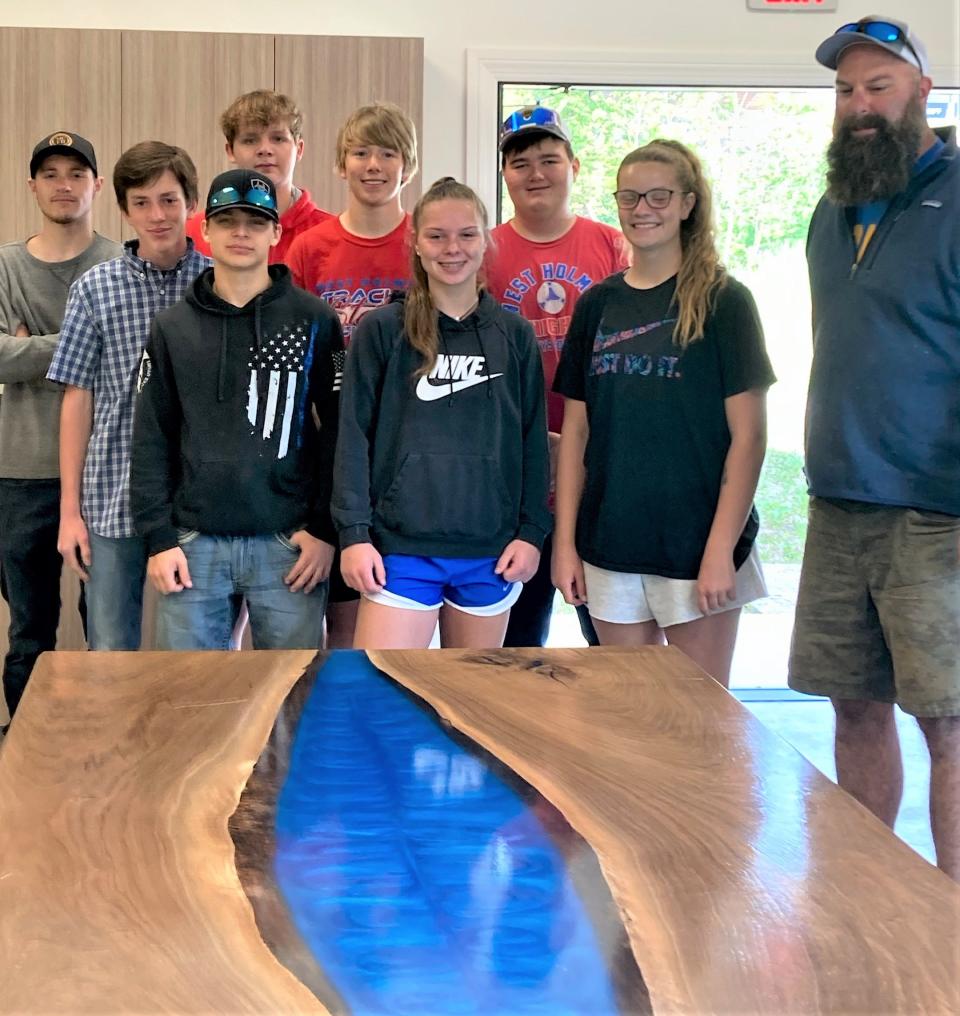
454 464
224 437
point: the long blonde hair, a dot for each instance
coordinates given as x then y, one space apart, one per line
420 313
701 274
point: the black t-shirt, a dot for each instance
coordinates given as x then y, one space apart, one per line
658 430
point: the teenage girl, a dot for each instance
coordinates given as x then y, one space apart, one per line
440 488
664 375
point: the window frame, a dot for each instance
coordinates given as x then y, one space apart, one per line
488 68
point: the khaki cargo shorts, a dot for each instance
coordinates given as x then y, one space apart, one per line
878 612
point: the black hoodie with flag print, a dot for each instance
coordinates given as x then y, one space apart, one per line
453 463
236 415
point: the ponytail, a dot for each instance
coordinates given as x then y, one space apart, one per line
420 318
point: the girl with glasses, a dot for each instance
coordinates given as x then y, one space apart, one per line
664 375
440 491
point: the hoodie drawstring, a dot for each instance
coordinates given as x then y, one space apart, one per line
446 353
222 372
474 319
204 296
257 337
483 352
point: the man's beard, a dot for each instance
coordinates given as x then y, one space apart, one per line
878 166
60 218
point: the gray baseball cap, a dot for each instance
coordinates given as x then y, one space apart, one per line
875 30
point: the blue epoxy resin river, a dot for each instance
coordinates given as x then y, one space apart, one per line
421 880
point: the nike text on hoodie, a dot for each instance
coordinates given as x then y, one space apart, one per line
453 463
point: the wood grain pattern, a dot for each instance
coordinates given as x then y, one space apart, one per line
161 97
57 79
748 882
329 77
118 891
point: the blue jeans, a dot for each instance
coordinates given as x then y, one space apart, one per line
115 591
223 568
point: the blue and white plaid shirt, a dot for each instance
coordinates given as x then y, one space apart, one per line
105 328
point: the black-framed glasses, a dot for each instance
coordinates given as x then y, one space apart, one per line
537 116
882 31
231 196
658 197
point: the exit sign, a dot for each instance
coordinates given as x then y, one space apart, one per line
791 5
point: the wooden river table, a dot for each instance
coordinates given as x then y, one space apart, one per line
443 831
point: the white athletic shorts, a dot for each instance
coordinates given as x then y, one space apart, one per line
625 598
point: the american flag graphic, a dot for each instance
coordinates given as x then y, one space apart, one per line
279 362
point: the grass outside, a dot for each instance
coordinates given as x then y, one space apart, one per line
782 503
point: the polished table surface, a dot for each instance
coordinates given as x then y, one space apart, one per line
514 831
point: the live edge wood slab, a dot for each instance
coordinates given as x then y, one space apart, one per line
746 881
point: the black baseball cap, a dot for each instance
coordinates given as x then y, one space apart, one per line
243 188
63 143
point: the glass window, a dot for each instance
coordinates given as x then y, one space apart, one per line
763 151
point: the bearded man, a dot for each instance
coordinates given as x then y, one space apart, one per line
878 614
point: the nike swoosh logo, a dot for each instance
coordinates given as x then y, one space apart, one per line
427 392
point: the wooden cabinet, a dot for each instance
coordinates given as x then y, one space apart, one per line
57 79
120 87
334 76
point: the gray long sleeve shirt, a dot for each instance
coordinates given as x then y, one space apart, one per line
34 293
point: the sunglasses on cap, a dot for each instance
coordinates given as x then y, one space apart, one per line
882 31
231 196
530 116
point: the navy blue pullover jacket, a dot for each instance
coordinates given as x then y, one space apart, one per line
883 412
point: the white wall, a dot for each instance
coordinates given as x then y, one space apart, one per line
649 30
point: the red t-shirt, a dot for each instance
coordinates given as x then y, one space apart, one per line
302 215
354 274
542 281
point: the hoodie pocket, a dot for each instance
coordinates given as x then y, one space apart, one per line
436 496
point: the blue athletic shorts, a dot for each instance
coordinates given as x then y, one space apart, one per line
426 583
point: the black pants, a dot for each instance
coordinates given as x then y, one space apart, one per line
529 623
29 576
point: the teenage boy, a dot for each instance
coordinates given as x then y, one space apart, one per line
262 130
357 260
230 476
34 278
545 258
104 333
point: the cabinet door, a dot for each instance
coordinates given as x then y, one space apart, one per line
328 77
176 85
57 79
